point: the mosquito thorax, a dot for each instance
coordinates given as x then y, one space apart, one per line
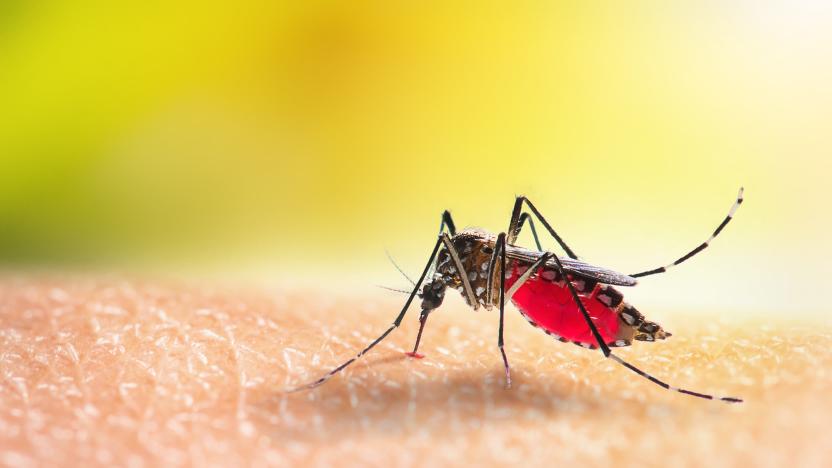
475 247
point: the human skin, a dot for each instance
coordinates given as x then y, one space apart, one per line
121 371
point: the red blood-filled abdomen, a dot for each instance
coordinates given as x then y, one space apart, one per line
550 306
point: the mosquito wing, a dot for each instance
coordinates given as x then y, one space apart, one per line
576 267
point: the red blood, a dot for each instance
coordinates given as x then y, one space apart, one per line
414 355
551 306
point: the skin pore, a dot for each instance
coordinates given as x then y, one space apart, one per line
112 370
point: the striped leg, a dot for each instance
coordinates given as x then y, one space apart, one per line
395 325
701 246
607 353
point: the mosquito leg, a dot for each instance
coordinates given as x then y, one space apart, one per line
607 353
500 340
392 327
515 225
500 248
526 217
701 246
447 221
492 267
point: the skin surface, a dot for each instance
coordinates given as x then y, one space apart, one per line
120 371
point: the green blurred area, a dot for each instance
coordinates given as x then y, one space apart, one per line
82 86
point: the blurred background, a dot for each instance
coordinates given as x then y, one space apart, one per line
299 140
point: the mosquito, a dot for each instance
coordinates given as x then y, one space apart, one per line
570 300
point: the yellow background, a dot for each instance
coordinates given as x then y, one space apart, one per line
301 139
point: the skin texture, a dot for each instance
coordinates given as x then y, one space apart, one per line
121 371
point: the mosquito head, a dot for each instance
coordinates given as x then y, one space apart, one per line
433 293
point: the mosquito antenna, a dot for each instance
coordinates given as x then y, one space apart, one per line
390 257
393 289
